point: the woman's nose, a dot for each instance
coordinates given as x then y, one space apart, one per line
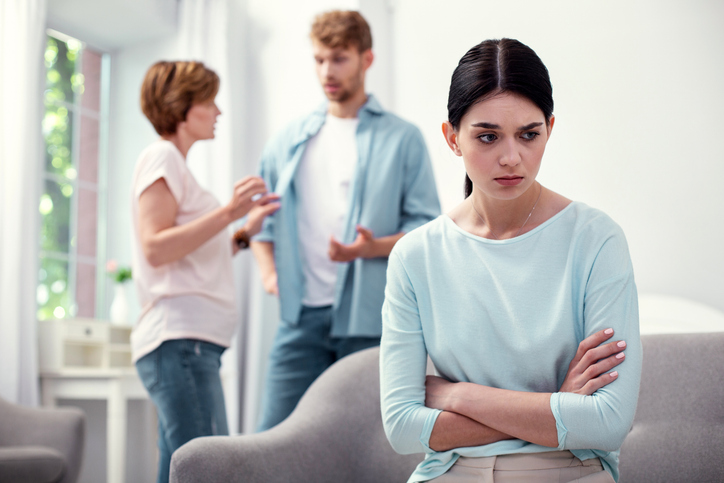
511 154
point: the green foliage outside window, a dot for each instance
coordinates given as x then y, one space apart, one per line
63 84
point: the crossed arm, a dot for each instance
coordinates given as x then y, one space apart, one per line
475 415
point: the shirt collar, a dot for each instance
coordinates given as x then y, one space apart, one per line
316 120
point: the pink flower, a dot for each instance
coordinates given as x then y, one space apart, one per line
111 266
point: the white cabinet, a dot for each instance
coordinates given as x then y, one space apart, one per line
91 359
80 345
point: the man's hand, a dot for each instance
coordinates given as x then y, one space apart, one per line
588 371
269 281
361 247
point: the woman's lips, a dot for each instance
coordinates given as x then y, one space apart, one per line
510 180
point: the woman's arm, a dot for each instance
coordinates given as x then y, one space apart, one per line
587 372
164 242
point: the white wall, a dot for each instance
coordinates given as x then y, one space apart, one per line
637 87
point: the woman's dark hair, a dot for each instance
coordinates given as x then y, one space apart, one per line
493 67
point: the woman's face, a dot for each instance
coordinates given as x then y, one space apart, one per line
501 141
201 120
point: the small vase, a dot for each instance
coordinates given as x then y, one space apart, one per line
119 306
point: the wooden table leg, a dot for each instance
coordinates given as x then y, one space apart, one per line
116 421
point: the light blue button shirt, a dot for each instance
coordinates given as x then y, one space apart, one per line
393 190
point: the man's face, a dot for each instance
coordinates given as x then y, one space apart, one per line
341 71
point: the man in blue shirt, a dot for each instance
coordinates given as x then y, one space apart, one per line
353 179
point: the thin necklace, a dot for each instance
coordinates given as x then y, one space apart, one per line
521 227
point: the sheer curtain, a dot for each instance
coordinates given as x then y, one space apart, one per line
22 26
203 36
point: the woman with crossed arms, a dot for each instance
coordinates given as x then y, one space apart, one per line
516 295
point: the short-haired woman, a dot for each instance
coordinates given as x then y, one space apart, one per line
182 259
515 295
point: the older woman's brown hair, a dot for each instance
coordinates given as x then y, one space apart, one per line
171 88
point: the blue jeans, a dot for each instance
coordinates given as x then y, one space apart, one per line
298 356
182 378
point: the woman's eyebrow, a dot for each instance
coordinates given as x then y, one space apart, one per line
486 125
489 125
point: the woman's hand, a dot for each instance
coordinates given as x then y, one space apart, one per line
588 371
247 195
439 393
267 204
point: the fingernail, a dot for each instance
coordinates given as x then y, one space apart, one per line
614 374
608 331
622 344
620 355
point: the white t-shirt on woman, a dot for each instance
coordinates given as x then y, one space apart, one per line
191 298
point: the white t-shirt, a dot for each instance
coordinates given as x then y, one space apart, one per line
191 298
322 184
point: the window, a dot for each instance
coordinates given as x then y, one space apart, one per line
72 204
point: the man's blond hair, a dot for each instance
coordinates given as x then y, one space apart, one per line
342 29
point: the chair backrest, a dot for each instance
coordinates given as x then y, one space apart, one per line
678 431
343 409
334 435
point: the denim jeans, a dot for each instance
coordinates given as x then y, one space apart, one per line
182 378
298 356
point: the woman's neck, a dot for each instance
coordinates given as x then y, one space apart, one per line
503 219
182 142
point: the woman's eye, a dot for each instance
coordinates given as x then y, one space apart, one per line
529 136
487 138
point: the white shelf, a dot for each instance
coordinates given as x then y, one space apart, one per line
83 346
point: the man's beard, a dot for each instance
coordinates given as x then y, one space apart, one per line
343 94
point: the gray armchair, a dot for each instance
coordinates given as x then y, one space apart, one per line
40 445
335 434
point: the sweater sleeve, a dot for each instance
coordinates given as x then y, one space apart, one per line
403 358
602 421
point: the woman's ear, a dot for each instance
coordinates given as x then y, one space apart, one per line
451 137
550 125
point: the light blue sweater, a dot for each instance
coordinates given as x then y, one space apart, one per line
509 314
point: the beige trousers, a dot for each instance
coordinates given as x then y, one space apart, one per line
553 467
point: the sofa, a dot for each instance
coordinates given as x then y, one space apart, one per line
40 445
335 434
